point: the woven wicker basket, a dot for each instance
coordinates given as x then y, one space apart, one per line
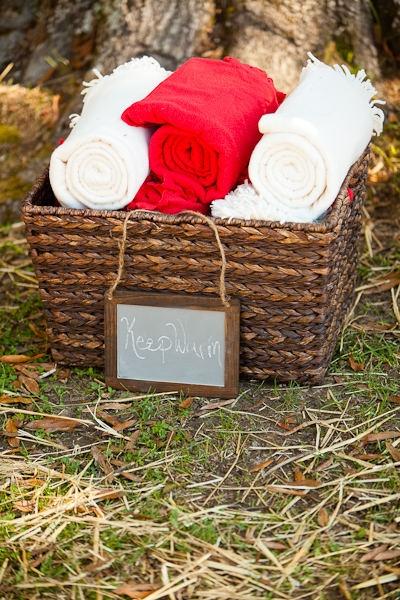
295 282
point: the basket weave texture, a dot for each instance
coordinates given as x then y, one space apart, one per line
294 281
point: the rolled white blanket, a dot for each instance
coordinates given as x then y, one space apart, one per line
308 146
104 161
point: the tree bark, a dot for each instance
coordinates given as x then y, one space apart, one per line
48 39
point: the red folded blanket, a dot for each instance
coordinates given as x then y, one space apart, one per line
209 112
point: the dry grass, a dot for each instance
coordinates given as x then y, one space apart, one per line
30 110
313 518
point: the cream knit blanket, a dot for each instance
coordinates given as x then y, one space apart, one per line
104 161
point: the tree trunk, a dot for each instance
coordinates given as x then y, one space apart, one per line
47 40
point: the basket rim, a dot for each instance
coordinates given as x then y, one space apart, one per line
332 221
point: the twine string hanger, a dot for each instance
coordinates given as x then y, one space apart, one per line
122 248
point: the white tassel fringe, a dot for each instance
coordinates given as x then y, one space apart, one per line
147 62
358 79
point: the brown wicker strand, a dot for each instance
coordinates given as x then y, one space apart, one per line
212 225
122 249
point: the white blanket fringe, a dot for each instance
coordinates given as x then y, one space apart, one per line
245 203
104 161
308 147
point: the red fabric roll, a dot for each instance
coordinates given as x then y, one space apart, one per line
171 196
209 112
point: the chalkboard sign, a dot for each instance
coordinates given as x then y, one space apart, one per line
168 342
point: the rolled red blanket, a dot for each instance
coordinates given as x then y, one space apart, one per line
209 112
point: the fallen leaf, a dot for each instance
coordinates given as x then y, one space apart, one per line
381 435
373 553
275 545
388 282
186 403
29 384
115 406
11 432
25 506
110 494
125 424
30 482
51 424
395 399
305 483
37 331
45 366
283 425
391 569
109 419
287 424
121 464
84 509
261 465
345 590
276 489
349 471
266 581
102 462
323 517
387 555
298 475
63 375
215 405
133 438
366 456
368 326
129 476
126 474
116 423
394 452
14 359
15 400
324 465
28 370
356 366
136 591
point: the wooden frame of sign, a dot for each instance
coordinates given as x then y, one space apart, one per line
197 356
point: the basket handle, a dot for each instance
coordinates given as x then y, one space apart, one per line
207 220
